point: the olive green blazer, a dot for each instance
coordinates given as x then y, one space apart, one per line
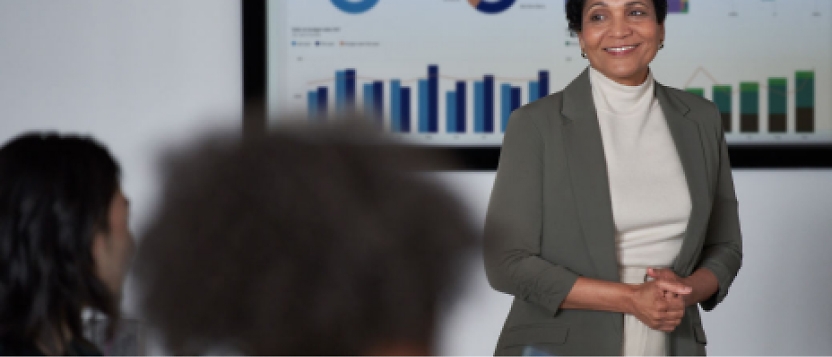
550 220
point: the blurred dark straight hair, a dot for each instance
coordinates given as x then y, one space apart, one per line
55 195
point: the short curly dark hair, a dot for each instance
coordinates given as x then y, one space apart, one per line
575 9
304 243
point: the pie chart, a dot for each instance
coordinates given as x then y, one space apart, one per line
491 6
354 6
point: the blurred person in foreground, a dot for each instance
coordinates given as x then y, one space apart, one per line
301 242
64 242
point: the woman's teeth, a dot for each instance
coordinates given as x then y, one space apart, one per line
620 49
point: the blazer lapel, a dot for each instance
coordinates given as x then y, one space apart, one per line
588 171
686 136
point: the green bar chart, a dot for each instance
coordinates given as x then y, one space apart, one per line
805 93
698 91
722 98
778 94
749 107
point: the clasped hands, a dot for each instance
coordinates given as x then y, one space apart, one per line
660 303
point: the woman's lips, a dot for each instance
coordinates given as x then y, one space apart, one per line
621 50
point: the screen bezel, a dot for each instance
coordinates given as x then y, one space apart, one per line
472 158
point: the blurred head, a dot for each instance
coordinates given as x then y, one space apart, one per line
619 37
64 240
299 244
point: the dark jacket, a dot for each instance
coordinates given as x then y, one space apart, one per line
550 220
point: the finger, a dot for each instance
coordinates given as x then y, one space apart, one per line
675 315
668 327
660 307
670 323
673 287
654 273
657 325
671 316
665 327
669 295
676 308
675 303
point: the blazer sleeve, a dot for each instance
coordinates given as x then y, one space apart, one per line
722 249
513 224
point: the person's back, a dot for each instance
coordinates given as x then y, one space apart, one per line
299 244
64 242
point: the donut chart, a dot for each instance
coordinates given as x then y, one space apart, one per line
354 7
491 6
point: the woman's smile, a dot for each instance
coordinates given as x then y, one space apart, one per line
621 50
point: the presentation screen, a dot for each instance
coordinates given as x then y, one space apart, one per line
450 72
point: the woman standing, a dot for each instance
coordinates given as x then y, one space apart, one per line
613 213
64 242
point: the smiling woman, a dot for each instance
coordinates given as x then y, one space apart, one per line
613 213
621 41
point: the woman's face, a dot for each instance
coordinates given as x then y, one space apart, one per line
621 38
113 250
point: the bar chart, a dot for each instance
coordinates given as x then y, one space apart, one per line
766 65
779 97
394 110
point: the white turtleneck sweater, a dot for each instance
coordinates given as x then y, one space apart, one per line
651 203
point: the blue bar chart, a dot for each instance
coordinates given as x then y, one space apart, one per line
396 110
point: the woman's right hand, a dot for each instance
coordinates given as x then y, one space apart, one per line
658 310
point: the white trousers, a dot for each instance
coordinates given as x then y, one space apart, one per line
640 340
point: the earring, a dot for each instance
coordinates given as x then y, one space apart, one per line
661 46
583 54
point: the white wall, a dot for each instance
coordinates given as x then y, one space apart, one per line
780 303
139 75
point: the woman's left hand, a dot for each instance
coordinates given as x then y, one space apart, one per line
703 283
669 275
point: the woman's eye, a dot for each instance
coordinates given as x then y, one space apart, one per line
638 13
596 17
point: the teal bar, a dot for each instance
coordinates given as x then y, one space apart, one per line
777 95
722 98
805 85
749 98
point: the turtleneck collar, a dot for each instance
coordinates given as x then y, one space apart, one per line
618 99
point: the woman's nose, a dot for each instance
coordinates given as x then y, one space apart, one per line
620 27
